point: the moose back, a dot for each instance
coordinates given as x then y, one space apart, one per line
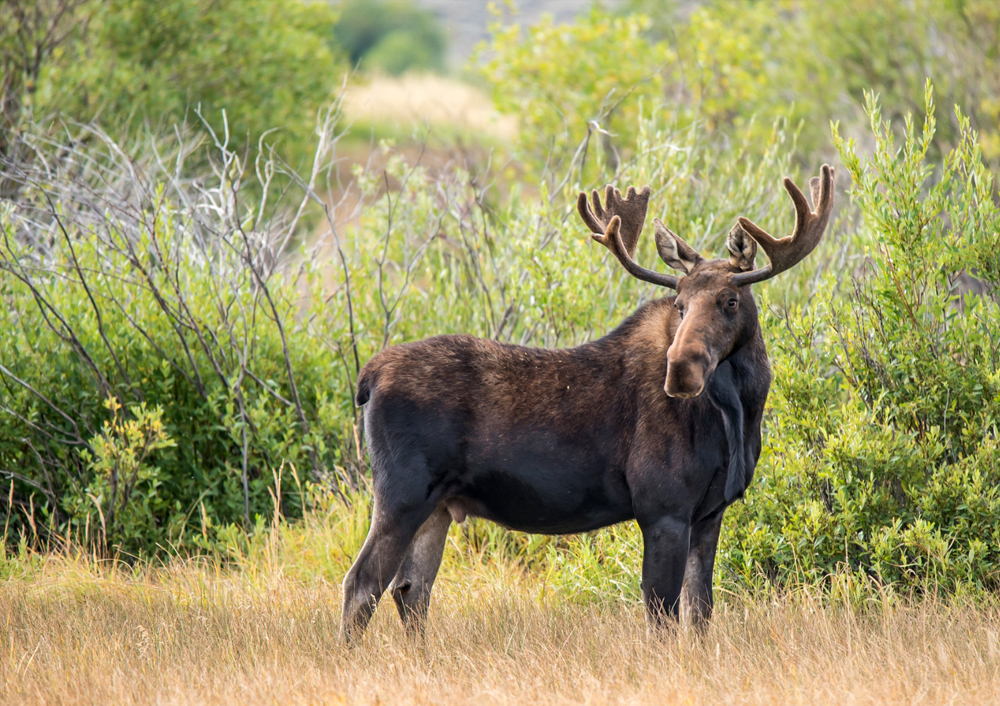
658 421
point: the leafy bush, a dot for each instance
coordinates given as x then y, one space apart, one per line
892 47
173 368
881 462
729 63
267 63
882 455
155 378
566 83
160 373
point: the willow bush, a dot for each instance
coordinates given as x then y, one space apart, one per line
153 376
255 67
882 453
170 355
730 64
880 468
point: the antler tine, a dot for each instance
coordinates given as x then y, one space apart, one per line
617 225
588 216
810 225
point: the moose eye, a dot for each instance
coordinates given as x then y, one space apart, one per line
732 303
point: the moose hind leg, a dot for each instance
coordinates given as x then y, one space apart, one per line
696 596
664 554
378 561
411 588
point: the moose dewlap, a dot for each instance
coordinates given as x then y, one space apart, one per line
658 421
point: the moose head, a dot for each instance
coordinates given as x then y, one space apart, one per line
715 311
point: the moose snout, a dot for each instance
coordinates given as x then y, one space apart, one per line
687 374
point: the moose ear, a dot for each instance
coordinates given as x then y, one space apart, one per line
742 248
674 251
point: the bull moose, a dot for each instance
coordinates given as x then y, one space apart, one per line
566 441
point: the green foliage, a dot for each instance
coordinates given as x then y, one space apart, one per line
154 378
564 82
392 36
117 457
172 374
882 454
881 458
30 33
151 294
881 462
149 363
267 63
727 62
892 47
525 272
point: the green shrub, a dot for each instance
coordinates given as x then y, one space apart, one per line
732 64
813 61
566 83
169 360
267 63
881 464
399 51
882 453
155 377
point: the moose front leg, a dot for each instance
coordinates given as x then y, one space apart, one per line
665 551
696 596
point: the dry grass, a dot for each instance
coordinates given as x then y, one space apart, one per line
419 100
194 633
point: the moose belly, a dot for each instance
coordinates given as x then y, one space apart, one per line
543 487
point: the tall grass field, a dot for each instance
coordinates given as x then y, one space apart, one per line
262 627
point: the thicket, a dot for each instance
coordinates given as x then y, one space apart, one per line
883 456
166 352
154 376
881 461
140 66
179 354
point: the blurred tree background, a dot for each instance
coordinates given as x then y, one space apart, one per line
138 63
391 36
203 241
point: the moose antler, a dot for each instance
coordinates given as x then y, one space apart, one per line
809 228
617 225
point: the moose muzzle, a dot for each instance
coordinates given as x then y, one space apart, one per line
687 372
